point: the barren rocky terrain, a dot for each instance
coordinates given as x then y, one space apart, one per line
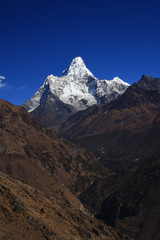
41 175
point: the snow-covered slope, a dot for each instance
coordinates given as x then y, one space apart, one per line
77 87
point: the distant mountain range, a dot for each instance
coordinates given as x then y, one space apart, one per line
77 89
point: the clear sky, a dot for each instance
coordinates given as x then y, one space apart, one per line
114 38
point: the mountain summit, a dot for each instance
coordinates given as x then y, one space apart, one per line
149 83
75 90
77 67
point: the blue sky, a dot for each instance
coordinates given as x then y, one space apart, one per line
114 38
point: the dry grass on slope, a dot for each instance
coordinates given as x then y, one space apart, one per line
27 213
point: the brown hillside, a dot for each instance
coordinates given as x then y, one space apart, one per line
35 202
26 213
39 157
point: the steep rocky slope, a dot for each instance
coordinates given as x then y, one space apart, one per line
39 172
32 153
27 213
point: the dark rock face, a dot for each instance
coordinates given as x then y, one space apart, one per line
136 204
149 83
130 199
53 116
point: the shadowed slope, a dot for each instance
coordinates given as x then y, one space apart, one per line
119 130
125 136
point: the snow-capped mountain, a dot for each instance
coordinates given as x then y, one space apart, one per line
77 87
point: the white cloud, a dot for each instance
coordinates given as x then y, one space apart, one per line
2 84
2 77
